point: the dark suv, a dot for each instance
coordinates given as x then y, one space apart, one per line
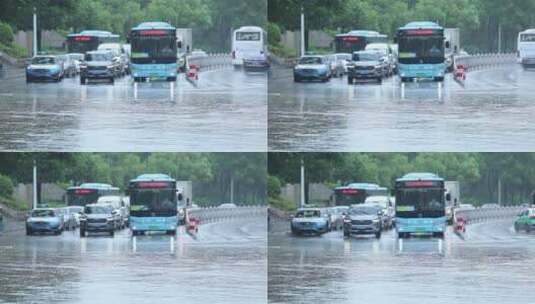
98 65
366 65
97 218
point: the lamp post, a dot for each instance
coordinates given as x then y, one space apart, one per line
34 31
302 29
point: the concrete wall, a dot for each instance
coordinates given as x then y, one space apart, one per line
49 39
315 39
49 192
316 193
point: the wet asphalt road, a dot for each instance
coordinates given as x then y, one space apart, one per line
225 263
492 265
493 112
227 111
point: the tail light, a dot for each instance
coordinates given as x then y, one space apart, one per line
532 216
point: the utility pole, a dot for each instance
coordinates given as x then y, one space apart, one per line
499 38
34 31
302 198
231 189
500 191
34 184
302 29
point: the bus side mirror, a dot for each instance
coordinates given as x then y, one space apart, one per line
447 44
392 192
180 196
395 39
179 44
448 197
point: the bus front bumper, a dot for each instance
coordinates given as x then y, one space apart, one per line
153 223
421 225
154 71
417 71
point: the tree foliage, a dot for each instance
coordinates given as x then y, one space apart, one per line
210 173
211 20
478 20
478 173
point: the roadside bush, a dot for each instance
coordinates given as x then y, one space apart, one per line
282 204
273 186
274 33
6 186
6 33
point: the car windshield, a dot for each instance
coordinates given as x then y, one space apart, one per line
363 211
308 213
97 210
43 213
44 60
310 60
98 57
366 56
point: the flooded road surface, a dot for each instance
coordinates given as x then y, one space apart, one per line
492 265
227 111
493 112
225 263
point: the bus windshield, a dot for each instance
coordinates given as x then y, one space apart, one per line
81 198
147 49
345 199
421 49
349 44
78 45
247 36
158 201
527 38
427 201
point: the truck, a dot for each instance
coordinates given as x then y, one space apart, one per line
184 39
452 41
453 192
184 199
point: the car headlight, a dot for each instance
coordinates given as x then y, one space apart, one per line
110 67
375 221
109 219
347 220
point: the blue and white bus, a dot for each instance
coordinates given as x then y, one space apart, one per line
420 205
153 54
355 41
153 204
89 40
421 51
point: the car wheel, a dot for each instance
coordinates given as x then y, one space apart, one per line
296 79
112 80
378 235
380 80
83 80
112 232
28 231
349 80
346 234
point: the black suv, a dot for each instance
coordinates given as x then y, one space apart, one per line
98 65
97 218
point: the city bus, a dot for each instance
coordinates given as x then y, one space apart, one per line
526 48
248 41
356 193
153 204
88 193
421 51
420 205
355 41
86 41
153 52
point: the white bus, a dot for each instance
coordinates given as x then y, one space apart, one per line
526 48
248 41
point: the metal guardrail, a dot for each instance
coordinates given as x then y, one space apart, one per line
216 214
480 61
212 61
486 214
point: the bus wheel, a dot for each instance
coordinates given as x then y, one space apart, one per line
171 232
